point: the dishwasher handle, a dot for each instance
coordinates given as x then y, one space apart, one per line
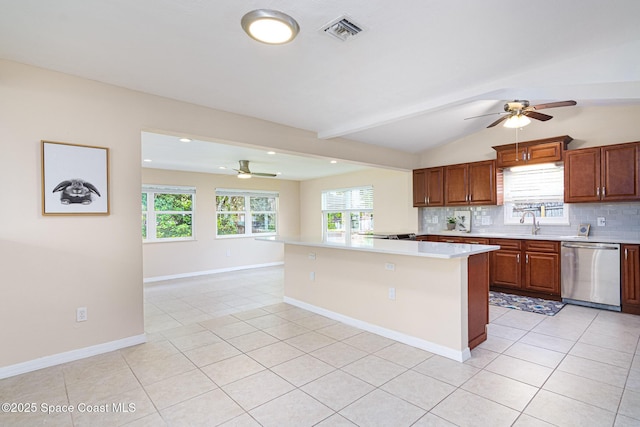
594 246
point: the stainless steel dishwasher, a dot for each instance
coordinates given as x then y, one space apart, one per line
591 274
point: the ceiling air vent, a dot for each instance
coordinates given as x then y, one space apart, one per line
342 28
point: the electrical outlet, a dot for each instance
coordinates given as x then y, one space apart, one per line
601 221
390 266
81 314
312 255
312 276
392 293
228 252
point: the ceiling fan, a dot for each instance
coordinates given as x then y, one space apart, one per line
517 113
244 171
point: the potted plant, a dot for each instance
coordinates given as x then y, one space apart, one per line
451 222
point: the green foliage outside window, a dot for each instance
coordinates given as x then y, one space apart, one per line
171 218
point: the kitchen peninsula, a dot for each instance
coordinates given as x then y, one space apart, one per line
430 295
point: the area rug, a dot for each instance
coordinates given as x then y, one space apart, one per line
533 305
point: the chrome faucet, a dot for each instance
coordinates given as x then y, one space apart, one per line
535 226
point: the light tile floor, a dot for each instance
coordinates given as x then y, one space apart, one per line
225 350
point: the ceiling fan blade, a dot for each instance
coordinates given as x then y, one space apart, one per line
263 174
484 115
537 116
554 105
500 120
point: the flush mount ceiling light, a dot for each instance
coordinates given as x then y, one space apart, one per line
270 26
517 121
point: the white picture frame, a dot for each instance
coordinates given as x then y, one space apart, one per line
75 179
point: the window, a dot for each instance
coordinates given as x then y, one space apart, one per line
538 189
347 213
234 207
167 213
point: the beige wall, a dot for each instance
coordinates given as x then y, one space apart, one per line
207 253
392 200
588 126
52 265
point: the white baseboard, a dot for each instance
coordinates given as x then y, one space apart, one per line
459 356
69 356
206 272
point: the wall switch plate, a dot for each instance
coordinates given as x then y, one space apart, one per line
228 252
81 314
392 293
601 221
312 276
486 220
434 219
390 266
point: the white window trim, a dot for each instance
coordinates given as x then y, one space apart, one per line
247 211
346 212
152 189
546 220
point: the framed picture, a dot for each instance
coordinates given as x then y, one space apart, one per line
75 179
583 230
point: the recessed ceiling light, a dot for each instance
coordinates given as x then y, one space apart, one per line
271 152
221 167
334 162
270 26
148 160
184 140
278 173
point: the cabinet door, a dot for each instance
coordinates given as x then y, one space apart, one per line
457 191
482 183
620 173
631 279
419 188
582 175
544 153
542 272
509 156
506 269
434 183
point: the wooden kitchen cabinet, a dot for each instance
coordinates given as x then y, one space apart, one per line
428 187
506 269
609 173
472 184
548 150
461 239
630 279
542 267
528 267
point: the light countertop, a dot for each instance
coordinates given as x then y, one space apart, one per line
396 247
568 238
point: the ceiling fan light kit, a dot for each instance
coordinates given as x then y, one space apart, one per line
517 121
270 26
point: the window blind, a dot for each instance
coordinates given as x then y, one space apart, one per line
167 189
534 185
250 193
348 199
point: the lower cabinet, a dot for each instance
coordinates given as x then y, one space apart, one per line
529 267
631 279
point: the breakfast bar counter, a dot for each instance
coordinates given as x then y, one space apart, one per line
429 295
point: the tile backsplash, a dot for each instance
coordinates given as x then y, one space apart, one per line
622 220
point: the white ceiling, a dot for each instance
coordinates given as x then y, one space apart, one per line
406 82
168 152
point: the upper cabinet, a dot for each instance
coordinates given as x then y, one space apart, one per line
609 173
548 150
472 184
428 187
